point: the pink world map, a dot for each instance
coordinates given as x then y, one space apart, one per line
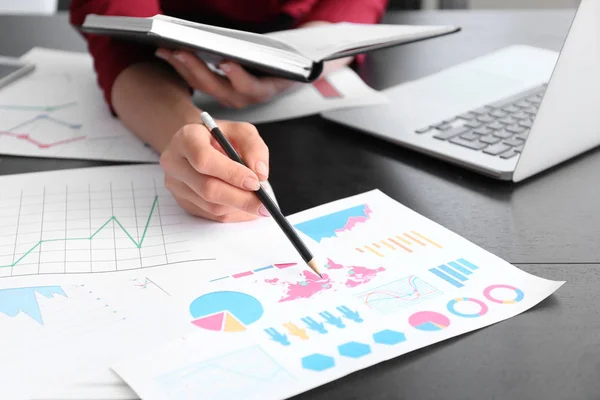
313 284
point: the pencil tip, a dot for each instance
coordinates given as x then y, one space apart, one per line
314 265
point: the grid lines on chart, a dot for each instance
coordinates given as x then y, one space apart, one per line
97 228
396 295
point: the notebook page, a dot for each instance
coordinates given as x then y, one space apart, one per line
233 33
321 42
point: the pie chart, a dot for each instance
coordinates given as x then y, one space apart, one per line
225 311
429 321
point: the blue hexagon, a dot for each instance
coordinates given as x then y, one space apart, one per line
317 362
389 336
354 349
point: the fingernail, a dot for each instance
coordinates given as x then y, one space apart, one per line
251 184
261 168
160 53
180 57
262 210
225 67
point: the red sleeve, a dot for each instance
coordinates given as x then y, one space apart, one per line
358 11
111 56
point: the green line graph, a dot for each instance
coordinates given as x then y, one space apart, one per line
18 107
137 244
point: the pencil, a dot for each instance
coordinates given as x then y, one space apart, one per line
264 197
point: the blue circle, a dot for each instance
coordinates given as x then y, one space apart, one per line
488 294
452 303
242 306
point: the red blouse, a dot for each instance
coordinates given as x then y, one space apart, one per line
112 56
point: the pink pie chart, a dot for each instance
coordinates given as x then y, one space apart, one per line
429 321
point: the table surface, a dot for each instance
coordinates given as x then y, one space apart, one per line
548 225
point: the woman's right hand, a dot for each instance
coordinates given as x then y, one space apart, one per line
206 182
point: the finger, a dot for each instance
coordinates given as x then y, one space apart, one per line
194 144
197 74
181 69
214 192
198 212
259 89
182 191
247 84
251 147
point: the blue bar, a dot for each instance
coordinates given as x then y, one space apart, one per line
467 264
263 268
218 279
452 272
446 277
459 268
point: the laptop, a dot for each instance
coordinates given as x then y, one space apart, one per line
509 114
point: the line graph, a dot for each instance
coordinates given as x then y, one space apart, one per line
49 118
37 107
148 283
58 111
229 376
96 227
397 295
27 137
136 243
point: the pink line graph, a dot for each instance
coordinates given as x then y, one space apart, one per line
27 138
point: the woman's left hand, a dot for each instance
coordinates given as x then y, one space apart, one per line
239 89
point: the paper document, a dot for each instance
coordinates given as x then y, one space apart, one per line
339 89
269 328
76 251
58 111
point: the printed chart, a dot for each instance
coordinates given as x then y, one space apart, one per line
230 376
225 311
103 227
456 273
394 296
336 276
429 321
24 300
58 111
330 225
314 325
254 271
407 242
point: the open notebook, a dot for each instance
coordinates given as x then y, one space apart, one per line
296 54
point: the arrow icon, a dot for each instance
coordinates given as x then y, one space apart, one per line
349 314
278 337
296 331
330 319
314 325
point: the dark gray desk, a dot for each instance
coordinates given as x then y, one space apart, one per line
548 225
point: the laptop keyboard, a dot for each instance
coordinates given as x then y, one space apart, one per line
498 129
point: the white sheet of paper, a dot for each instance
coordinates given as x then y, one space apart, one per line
58 111
78 249
62 232
393 282
339 89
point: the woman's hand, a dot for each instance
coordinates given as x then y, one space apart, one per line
238 90
206 182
